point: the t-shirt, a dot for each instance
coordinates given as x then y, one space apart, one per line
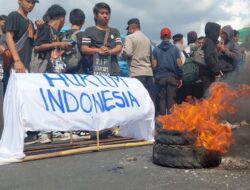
46 34
17 24
94 37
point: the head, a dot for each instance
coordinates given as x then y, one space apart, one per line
227 33
57 13
46 17
212 31
77 17
165 34
27 5
102 13
133 25
178 39
2 23
191 37
236 35
200 41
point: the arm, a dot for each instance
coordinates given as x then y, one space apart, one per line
234 53
18 64
154 63
127 50
48 46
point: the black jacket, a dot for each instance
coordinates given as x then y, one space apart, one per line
212 31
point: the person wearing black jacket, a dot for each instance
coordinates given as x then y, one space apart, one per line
208 73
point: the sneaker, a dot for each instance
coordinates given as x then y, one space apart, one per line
82 135
30 140
45 139
58 136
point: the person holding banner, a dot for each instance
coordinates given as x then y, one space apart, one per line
101 44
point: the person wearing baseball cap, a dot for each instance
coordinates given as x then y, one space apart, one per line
168 75
135 21
137 50
165 33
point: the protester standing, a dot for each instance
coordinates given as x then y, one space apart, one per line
72 56
168 75
93 40
229 51
208 73
137 50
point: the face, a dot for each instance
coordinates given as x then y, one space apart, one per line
62 21
200 42
223 35
2 28
103 16
236 38
27 5
130 30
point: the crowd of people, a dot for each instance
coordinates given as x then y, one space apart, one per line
168 71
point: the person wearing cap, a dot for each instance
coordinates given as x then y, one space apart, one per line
137 50
168 75
93 40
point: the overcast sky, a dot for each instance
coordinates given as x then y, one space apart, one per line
180 15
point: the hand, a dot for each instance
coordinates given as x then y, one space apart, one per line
180 84
105 50
62 45
39 23
19 67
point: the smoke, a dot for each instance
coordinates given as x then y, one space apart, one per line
242 76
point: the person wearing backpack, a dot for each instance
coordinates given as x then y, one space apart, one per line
47 45
72 56
168 75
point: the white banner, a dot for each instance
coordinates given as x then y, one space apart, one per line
63 102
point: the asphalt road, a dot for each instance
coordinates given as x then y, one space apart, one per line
124 169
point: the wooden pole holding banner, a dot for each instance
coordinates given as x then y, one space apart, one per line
84 150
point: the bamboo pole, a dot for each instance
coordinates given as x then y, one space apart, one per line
84 150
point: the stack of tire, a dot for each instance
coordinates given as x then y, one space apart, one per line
176 149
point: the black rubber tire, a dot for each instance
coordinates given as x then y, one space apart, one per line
188 157
167 137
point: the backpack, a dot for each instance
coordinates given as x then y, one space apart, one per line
198 57
72 57
190 70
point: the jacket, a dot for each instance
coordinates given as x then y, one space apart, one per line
166 55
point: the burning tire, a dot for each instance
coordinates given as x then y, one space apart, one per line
174 137
184 156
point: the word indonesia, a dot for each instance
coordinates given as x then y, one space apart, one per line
94 94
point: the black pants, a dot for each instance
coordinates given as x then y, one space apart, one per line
167 93
148 83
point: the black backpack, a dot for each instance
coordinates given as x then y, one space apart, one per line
73 57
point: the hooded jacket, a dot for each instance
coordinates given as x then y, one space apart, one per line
233 52
166 55
212 31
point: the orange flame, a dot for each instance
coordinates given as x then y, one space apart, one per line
202 117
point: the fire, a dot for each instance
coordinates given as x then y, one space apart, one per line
203 117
